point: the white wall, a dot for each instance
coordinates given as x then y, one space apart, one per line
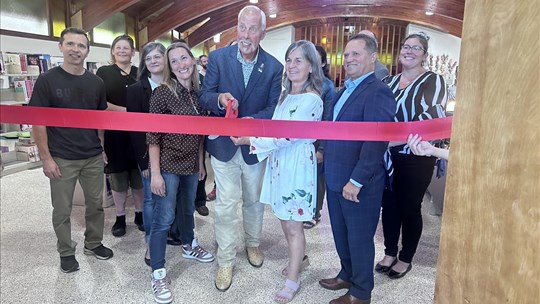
277 41
439 42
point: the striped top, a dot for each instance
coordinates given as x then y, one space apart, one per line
423 99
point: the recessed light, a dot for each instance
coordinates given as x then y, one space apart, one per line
429 13
254 1
272 15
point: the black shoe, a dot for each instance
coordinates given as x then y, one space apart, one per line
203 210
146 260
174 241
139 220
392 274
119 227
69 264
100 252
384 269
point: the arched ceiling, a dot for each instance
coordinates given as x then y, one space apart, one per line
156 17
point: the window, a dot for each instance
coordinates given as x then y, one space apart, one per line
33 12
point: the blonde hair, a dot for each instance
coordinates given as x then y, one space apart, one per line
169 79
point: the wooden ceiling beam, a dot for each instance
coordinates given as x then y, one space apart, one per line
154 9
95 12
184 12
228 21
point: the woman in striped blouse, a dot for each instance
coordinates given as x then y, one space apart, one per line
420 95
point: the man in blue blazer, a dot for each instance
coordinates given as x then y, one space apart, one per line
250 78
355 173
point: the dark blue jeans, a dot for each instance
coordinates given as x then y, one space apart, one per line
179 191
184 222
148 209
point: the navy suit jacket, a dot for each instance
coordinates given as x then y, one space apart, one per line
371 101
258 99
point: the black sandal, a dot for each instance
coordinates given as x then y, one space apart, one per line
312 223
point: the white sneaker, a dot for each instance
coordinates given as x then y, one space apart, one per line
194 251
161 286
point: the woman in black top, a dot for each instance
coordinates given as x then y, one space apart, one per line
420 95
122 165
150 77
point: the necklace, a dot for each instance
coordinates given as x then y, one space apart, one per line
193 103
405 81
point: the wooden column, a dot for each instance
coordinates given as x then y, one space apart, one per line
490 238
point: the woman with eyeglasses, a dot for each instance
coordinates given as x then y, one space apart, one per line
420 95
122 164
150 77
176 165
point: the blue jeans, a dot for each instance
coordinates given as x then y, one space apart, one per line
179 191
184 222
148 210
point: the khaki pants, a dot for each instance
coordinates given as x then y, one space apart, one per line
89 172
237 183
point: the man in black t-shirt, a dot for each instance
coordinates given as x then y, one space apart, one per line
71 154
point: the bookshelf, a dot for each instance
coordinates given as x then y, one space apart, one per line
18 74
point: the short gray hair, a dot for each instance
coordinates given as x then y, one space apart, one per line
253 7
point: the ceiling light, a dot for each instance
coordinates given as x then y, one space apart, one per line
429 13
217 38
254 1
272 15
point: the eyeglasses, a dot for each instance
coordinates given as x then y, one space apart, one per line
155 57
414 48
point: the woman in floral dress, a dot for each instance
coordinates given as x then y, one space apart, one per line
290 180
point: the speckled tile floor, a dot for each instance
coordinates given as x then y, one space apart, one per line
30 265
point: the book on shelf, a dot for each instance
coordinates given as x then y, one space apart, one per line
24 64
2 68
32 61
12 63
56 61
44 62
20 90
29 84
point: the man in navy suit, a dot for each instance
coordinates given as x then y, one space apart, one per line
250 78
355 173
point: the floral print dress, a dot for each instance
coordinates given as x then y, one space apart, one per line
290 179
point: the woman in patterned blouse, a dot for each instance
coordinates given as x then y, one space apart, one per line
175 166
420 95
290 178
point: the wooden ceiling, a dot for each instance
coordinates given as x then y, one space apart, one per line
156 17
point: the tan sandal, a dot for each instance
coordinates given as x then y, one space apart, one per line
288 292
303 266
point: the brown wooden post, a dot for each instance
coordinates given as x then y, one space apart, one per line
490 238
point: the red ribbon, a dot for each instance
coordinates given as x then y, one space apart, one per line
108 120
